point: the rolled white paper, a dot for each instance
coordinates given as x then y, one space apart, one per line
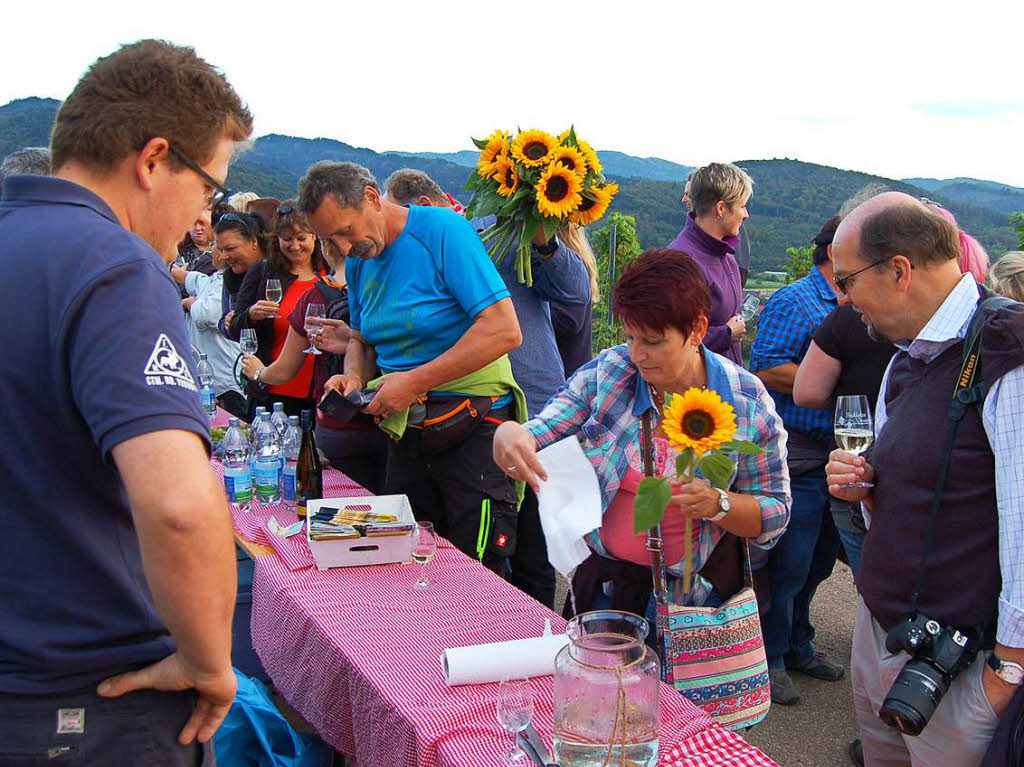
517 659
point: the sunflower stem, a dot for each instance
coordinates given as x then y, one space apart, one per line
688 538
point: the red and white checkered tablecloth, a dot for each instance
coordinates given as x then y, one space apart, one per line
357 652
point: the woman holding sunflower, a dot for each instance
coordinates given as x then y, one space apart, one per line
664 304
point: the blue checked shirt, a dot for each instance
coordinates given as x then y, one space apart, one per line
605 400
784 334
1002 416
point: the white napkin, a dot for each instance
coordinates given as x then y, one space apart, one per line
570 503
517 659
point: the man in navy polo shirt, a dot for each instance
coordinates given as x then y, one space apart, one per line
116 555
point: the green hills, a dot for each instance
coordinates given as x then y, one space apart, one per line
791 198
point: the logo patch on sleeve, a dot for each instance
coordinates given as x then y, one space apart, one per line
165 366
502 541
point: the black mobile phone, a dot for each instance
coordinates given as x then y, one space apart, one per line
343 408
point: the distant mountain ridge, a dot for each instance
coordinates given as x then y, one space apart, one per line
791 198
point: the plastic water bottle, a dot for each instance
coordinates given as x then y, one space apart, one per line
290 447
279 419
205 371
237 472
259 415
268 461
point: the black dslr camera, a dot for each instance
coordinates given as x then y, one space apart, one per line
938 653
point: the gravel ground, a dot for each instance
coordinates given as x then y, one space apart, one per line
817 731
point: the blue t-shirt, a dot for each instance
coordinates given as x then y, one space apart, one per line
416 299
95 353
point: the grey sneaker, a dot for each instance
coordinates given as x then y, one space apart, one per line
783 690
819 666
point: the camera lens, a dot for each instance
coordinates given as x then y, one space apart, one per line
913 697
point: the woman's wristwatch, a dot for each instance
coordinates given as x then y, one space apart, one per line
257 375
724 505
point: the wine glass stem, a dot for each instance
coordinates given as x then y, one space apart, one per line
423 573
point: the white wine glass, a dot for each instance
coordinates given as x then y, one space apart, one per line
424 546
314 326
247 341
274 292
853 427
514 710
748 309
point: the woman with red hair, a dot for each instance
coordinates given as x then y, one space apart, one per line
664 303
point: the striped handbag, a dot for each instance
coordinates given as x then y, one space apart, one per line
713 655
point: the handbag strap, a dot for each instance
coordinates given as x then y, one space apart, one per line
655 541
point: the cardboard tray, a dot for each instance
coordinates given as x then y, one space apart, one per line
356 552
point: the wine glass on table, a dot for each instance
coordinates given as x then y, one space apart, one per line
424 545
853 427
247 341
314 326
514 709
274 292
748 309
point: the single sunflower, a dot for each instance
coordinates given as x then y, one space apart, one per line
506 176
497 147
698 419
558 191
591 156
595 204
533 148
571 158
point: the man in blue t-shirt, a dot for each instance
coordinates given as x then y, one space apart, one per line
559 279
116 555
429 309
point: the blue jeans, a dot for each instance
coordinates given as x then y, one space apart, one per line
798 563
850 525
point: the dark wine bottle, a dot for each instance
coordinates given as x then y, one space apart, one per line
309 482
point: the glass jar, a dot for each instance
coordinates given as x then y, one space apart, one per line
606 693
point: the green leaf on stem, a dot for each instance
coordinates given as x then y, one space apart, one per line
742 446
649 504
550 224
717 469
686 463
481 143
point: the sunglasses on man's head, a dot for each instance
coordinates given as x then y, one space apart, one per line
285 210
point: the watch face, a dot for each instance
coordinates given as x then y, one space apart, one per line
1011 673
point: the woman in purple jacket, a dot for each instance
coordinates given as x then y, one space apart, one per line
719 194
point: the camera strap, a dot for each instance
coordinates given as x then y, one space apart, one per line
970 391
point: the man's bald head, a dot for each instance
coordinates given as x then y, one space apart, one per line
851 223
895 223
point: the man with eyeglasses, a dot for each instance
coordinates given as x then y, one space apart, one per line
950 554
804 556
116 555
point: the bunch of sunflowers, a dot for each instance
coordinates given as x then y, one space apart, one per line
535 182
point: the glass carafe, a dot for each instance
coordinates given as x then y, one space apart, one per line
606 693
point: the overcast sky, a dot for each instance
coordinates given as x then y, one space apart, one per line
894 88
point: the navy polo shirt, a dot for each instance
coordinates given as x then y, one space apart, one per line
94 352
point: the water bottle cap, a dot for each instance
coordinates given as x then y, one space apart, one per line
278 406
202 356
293 419
232 421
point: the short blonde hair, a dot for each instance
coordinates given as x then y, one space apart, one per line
719 181
239 200
1007 275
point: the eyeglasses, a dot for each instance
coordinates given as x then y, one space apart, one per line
219 193
285 210
843 283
